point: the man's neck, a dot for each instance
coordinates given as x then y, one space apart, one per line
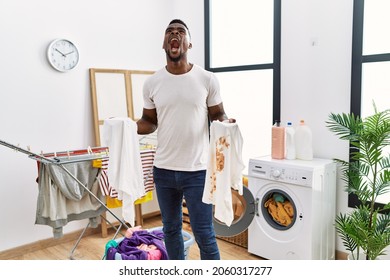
178 68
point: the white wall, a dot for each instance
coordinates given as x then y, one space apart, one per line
51 111
316 71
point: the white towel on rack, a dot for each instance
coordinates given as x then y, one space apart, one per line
224 169
124 168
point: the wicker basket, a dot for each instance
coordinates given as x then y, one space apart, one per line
239 239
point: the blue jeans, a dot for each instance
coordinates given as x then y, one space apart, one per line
171 187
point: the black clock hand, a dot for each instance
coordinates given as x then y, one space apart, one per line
68 53
60 53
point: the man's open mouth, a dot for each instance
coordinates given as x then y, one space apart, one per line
174 44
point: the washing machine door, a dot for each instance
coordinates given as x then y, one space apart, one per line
244 212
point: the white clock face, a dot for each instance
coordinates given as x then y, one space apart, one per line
63 55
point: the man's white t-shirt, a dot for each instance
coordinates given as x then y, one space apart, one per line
182 102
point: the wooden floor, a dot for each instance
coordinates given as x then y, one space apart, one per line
92 247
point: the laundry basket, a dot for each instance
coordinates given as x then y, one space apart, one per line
187 238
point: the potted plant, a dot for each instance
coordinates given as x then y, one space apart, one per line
365 230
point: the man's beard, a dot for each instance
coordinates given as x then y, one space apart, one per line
174 59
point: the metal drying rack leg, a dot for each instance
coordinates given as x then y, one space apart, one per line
115 235
77 242
122 223
117 231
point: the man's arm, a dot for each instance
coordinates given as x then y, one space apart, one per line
217 113
148 122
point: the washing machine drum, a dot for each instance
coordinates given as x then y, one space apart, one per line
244 211
278 209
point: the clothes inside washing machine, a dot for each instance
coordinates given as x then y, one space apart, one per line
278 209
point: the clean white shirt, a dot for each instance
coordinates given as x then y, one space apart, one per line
124 170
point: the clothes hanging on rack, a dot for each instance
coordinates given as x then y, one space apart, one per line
124 169
61 199
105 186
147 158
55 173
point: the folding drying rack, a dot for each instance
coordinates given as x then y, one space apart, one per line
61 158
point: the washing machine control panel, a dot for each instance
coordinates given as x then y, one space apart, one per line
277 173
283 173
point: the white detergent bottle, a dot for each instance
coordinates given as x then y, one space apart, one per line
290 141
303 142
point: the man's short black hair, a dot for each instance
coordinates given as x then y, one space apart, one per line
176 20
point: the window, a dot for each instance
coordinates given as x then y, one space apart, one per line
243 49
370 61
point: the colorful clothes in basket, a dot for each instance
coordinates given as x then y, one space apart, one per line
142 245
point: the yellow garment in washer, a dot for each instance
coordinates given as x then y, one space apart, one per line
281 212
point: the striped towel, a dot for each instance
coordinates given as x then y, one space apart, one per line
147 158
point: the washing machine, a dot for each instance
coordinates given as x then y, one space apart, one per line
289 209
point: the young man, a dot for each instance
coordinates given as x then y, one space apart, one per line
180 100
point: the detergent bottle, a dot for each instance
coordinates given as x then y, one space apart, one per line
278 141
303 141
290 141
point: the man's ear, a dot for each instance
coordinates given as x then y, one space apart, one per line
190 45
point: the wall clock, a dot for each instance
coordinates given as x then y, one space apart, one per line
63 55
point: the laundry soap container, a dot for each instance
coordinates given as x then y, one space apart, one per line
303 141
290 141
278 141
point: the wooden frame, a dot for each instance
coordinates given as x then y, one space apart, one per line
118 82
